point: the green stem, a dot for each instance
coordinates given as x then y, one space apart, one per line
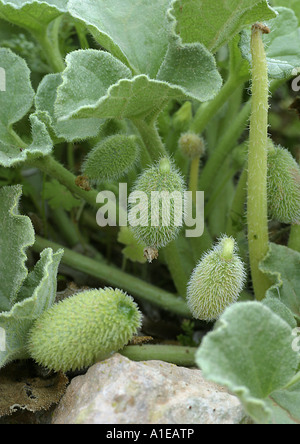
294 240
237 212
175 265
218 193
54 169
65 226
176 354
51 47
223 149
257 209
117 278
194 177
151 139
207 111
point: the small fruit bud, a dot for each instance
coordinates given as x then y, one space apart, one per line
192 145
83 329
111 159
216 282
283 186
160 211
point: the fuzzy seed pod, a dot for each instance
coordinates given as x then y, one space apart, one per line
216 282
283 186
192 145
159 222
83 329
111 159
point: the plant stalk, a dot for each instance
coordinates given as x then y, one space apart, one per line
176 354
257 210
117 278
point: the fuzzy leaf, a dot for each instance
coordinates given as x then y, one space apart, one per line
36 295
291 4
96 85
33 15
135 31
16 234
70 131
215 25
250 352
282 44
15 103
282 265
59 196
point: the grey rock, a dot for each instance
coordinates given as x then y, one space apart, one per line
120 391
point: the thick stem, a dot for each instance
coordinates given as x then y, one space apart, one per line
175 265
294 240
151 139
176 354
257 210
115 277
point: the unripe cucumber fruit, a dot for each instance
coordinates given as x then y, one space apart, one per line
216 282
161 177
283 186
83 329
112 158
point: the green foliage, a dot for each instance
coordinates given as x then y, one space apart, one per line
59 196
112 158
84 328
198 21
282 44
283 186
250 352
216 282
24 296
134 250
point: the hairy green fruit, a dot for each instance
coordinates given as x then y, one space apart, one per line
283 186
112 158
157 219
216 282
83 329
192 145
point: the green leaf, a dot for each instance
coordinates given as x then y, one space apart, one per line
59 196
96 85
135 31
37 294
16 234
133 251
250 352
282 266
215 25
282 44
33 15
291 4
15 103
69 130
280 309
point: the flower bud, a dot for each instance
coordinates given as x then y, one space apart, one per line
161 208
216 282
283 186
192 145
83 329
112 158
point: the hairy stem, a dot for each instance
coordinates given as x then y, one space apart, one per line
294 240
117 278
237 212
51 46
257 210
176 354
151 139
